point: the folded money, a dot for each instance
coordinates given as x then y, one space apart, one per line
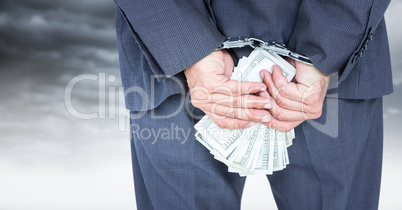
257 149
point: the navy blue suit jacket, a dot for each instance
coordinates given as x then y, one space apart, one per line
344 38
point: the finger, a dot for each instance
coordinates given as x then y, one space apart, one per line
229 123
277 93
287 103
288 90
288 93
278 78
255 115
282 103
306 112
283 114
287 115
244 101
237 88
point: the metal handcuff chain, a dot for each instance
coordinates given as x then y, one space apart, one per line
272 47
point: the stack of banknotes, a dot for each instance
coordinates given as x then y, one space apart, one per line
257 149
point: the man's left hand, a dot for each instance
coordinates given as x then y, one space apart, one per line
296 101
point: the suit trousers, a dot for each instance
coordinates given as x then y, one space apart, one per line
335 161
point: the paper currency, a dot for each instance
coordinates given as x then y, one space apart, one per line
258 149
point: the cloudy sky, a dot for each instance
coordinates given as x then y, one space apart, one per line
50 159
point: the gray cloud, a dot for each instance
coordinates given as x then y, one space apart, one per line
43 46
53 38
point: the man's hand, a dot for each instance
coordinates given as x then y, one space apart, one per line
227 102
295 102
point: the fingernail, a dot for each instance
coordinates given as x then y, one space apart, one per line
267 106
251 124
261 74
262 89
265 119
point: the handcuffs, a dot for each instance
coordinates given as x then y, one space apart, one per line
272 46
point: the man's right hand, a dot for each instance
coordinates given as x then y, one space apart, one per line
227 102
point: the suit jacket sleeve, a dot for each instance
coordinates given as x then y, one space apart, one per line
334 34
173 35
